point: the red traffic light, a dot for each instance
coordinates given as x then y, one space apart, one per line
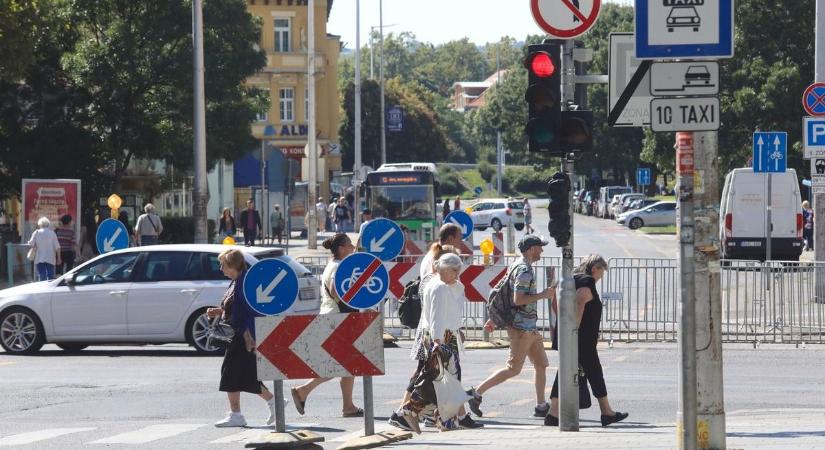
541 64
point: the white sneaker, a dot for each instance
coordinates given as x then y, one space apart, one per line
234 419
271 403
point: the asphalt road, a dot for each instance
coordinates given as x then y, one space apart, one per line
166 397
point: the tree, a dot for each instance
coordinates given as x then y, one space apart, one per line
135 61
24 26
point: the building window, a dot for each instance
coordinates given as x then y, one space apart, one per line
287 100
306 105
262 116
282 34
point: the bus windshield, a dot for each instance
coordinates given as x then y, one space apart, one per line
402 202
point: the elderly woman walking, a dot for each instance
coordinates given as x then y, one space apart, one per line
442 309
589 315
239 370
46 250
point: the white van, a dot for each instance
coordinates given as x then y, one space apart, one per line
742 216
606 196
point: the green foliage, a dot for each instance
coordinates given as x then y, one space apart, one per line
451 181
487 171
181 230
526 180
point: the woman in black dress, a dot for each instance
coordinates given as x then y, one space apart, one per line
239 371
589 315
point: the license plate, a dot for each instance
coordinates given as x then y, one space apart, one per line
751 244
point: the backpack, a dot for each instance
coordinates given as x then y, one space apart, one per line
409 305
500 306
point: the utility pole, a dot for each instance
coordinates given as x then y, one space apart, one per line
356 169
199 194
499 151
710 398
568 326
381 76
819 199
312 150
687 317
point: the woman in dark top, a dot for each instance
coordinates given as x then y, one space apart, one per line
589 315
239 371
445 210
227 223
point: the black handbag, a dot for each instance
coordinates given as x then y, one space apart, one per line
584 392
219 334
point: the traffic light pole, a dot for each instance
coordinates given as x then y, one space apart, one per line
819 199
568 326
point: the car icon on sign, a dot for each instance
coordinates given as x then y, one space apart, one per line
697 75
683 16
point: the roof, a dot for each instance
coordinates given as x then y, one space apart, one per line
472 84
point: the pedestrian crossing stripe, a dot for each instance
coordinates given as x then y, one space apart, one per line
37 436
149 434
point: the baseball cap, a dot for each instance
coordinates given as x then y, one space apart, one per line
529 240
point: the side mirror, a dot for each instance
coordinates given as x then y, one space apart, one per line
72 280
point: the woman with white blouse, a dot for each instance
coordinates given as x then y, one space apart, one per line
47 249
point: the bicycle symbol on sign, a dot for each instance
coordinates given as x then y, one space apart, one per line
374 285
775 157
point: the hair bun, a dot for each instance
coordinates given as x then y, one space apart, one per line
327 244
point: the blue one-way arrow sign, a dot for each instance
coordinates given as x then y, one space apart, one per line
770 152
643 176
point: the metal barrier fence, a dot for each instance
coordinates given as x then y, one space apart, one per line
771 302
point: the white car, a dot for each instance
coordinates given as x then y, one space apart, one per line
656 215
154 294
497 213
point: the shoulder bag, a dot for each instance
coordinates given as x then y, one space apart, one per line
219 334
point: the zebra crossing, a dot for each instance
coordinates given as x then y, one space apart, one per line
194 434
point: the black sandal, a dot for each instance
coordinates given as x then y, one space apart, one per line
296 398
357 413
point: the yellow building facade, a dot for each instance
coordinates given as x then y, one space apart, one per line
285 40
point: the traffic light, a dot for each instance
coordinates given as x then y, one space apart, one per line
559 226
543 97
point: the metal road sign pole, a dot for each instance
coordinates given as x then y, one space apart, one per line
369 420
356 170
710 398
200 189
768 223
568 328
819 199
312 144
686 416
280 419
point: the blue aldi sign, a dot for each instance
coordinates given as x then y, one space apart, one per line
770 152
643 176
395 118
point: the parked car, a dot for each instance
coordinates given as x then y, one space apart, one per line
742 215
148 295
641 203
497 213
606 195
656 215
581 206
624 202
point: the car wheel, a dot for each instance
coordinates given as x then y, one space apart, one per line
496 224
519 226
72 347
21 331
197 328
635 223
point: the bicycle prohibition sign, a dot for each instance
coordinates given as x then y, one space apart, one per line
361 280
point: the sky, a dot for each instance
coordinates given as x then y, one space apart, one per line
438 21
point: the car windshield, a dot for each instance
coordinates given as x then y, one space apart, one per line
687 11
516 205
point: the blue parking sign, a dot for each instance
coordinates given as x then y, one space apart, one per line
111 235
361 280
270 287
383 238
463 220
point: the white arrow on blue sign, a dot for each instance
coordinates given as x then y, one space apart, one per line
270 287
111 235
643 176
383 238
361 280
463 220
813 136
770 152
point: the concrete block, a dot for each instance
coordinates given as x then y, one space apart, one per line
290 439
379 439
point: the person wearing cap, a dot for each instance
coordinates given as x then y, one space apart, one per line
525 339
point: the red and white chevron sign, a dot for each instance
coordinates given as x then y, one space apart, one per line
323 345
412 247
477 280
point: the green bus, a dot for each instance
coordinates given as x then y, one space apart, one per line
405 193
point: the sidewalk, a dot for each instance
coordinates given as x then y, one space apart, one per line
768 429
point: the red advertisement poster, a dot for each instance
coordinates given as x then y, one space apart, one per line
51 199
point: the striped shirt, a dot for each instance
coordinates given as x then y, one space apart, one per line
65 236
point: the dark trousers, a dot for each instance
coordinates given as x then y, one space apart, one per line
249 237
67 262
808 235
592 367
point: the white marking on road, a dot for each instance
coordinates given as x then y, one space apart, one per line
257 432
640 350
492 414
40 435
7 363
149 434
522 402
495 426
620 358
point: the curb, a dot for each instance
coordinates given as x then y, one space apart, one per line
291 439
376 440
482 345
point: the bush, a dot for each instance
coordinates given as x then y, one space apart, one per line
450 181
181 230
524 180
487 171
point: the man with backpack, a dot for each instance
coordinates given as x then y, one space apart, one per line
518 294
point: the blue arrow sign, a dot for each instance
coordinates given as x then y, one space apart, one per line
770 152
111 235
478 190
463 220
643 176
270 287
383 238
361 280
